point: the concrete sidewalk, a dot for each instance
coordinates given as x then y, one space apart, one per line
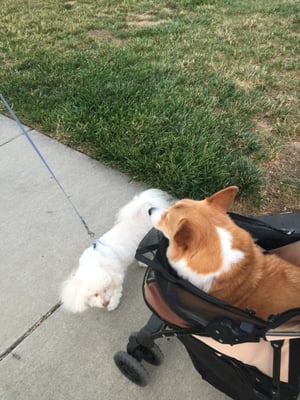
65 356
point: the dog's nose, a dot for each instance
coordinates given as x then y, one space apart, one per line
150 211
105 303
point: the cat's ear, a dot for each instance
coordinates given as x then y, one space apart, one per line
224 198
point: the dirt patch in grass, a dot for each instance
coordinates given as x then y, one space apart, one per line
144 20
70 3
243 84
105 35
167 10
281 192
265 130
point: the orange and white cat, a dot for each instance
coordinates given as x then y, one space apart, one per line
208 249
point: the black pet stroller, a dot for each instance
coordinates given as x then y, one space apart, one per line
240 354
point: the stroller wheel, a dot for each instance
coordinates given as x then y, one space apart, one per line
131 368
153 356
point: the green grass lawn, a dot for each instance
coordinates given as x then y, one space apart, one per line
188 96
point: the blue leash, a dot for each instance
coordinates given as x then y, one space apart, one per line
90 233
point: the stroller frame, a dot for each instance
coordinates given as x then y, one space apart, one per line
229 326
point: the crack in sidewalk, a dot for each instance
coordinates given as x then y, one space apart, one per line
32 329
15 137
11 140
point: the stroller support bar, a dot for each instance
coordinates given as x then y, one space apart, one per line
277 345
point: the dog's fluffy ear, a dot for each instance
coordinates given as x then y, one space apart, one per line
73 295
224 198
184 236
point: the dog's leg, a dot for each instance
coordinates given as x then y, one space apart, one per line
142 264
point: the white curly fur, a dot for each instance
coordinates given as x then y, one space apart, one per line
98 281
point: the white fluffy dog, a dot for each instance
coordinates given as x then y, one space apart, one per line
98 281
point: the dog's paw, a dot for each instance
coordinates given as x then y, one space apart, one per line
142 265
113 304
115 300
